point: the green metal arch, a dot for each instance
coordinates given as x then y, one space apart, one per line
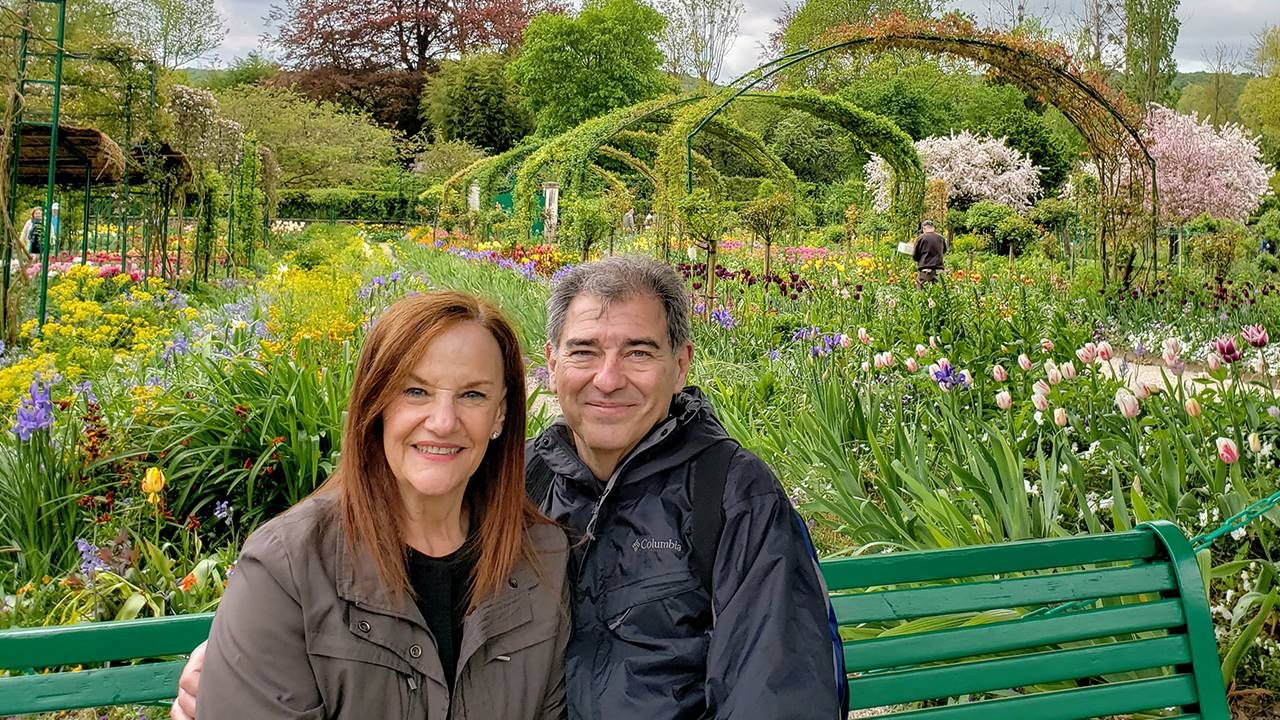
877 134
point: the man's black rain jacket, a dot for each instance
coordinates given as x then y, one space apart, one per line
647 643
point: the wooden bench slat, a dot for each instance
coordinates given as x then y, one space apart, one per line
1076 704
993 594
899 650
982 560
894 688
91 688
102 642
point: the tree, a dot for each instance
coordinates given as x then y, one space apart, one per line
1151 31
704 219
817 151
974 168
1259 103
1029 134
1100 32
801 24
698 35
251 69
438 161
473 100
175 32
373 55
1203 169
587 221
766 217
572 69
317 144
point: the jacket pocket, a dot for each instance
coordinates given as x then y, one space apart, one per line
359 680
654 610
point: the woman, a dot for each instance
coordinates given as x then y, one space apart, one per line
29 237
419 582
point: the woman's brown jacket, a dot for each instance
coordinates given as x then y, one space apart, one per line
306 630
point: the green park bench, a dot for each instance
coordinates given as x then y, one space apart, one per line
1142 641
1147 643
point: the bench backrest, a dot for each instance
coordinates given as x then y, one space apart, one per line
33 649
984 621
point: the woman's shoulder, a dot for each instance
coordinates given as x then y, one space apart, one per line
302 525
548 539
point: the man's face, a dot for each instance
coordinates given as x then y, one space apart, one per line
615 373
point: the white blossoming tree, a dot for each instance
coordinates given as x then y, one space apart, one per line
974 168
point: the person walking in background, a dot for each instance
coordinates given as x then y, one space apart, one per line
929 249
29 238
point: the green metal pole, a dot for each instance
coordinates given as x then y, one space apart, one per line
13 171
128 153
147 217
53 160
88 198
253 201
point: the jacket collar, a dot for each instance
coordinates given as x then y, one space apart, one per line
689 427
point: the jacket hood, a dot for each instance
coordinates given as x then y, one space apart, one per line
689 428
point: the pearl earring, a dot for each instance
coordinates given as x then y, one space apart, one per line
495 435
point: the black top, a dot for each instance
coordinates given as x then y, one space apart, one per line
930 247
440 585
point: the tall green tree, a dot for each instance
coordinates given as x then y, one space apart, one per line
1151 31
175 32
572 68
472 99
1259 103
317 144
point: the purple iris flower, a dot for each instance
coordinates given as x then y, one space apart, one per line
35 412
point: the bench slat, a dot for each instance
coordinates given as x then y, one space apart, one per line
91 688
993 594
897 568
916 684
1078 704
913 649
102 642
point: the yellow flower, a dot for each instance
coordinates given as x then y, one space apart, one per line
25 589
153 484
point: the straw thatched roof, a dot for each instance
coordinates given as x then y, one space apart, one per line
78 148
173 164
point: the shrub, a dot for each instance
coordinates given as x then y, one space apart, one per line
969 244
985 216
1014 234
345 204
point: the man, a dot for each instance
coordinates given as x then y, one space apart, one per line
654 638
930 247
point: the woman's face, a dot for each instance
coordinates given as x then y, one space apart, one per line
438 426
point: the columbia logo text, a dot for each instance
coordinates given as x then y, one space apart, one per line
656 544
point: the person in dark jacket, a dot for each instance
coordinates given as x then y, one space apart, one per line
650 641
930 247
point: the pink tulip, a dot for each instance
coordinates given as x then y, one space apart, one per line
1088 353
1054 375
933 341
1213 362
1060 417
1068 370
1004 400
921 350
1142 392
1255 335
943 363
1127 403
1255 443
878 360
912 365
1041 388
999 374
1227 450
888 359
1024 362
1040 402
866 366
1172 346
845 341
1104 351
1226 349
864 336
1046 344
1192 406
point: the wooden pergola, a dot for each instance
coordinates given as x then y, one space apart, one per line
84 155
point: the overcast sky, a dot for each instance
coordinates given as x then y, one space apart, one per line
1205 24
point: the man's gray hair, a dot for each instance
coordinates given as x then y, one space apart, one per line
617 278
